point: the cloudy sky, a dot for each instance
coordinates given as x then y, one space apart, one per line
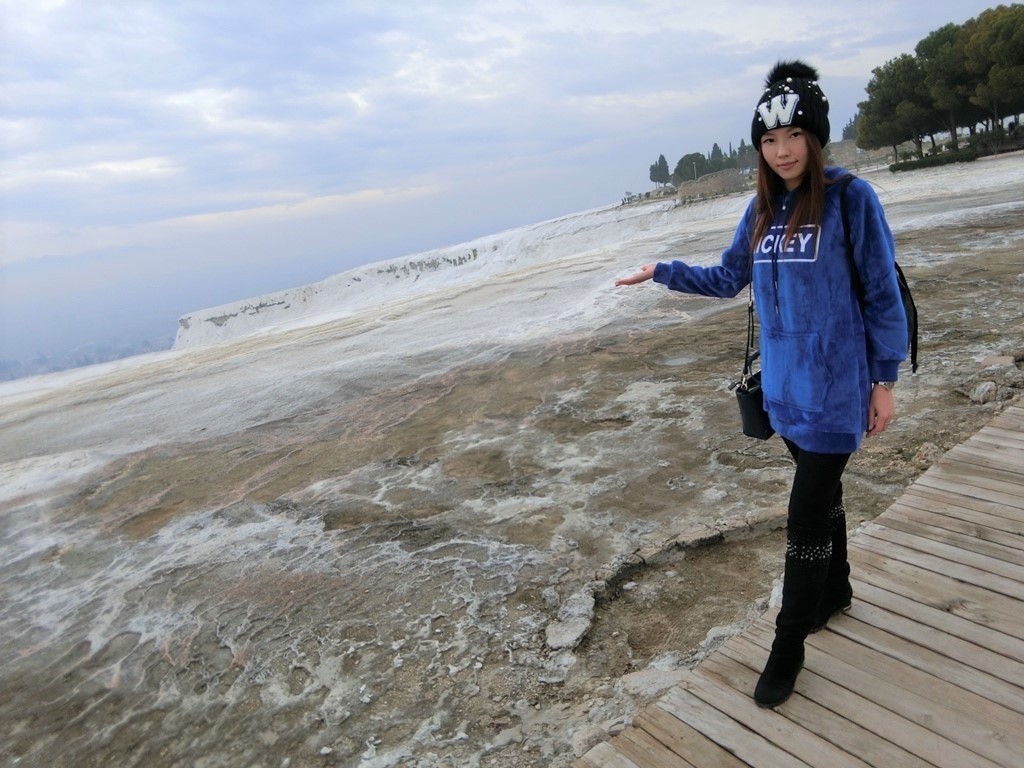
161 156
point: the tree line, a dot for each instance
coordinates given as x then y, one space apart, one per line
696 164
961 76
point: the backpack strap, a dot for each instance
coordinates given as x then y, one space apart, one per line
911 310
905 296
845 211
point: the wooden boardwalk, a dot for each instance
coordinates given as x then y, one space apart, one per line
927 668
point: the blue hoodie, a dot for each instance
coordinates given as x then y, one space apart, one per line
820 349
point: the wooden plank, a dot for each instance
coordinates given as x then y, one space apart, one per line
931 703
697 748
945 479
745 652
992 431
998 515
944 667
585 762
983 512
1001 458
982 469
1007 648
941 574
733 736
969 467
1011 418
976 486
970 533
1000 436
972 655
982 726
797 739
998 430
970 539
640 747
959 487
1004 423
994 436
889 726
989 451
968 574
933 543
938 591
816 716
604 755
975 474
1004 442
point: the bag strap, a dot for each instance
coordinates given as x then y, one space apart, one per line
859 286
748 357
845 211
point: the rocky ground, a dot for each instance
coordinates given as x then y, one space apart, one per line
660 613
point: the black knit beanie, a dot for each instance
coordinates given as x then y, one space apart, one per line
791 98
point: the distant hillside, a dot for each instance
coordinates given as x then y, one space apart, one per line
847 154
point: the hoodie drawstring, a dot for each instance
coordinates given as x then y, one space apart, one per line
786 199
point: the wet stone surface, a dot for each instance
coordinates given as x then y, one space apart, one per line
363 571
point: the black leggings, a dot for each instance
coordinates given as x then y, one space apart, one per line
817 487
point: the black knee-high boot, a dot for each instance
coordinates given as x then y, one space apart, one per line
838 594
807 560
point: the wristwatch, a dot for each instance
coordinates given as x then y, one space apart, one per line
887 384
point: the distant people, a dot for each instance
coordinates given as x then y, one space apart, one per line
830 359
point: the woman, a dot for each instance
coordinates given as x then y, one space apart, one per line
830 354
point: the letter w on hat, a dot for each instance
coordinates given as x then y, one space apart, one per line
779 111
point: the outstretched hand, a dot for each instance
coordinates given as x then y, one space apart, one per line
645 274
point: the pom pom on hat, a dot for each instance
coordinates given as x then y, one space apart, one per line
791 97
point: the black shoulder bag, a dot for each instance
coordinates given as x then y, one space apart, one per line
748 389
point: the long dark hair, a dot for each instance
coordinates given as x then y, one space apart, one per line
808 205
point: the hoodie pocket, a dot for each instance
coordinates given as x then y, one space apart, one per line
795 374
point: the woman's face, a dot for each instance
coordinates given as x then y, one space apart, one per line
785 151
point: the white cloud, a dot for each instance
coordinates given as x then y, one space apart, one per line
102 172
232 111
18 134
292 210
